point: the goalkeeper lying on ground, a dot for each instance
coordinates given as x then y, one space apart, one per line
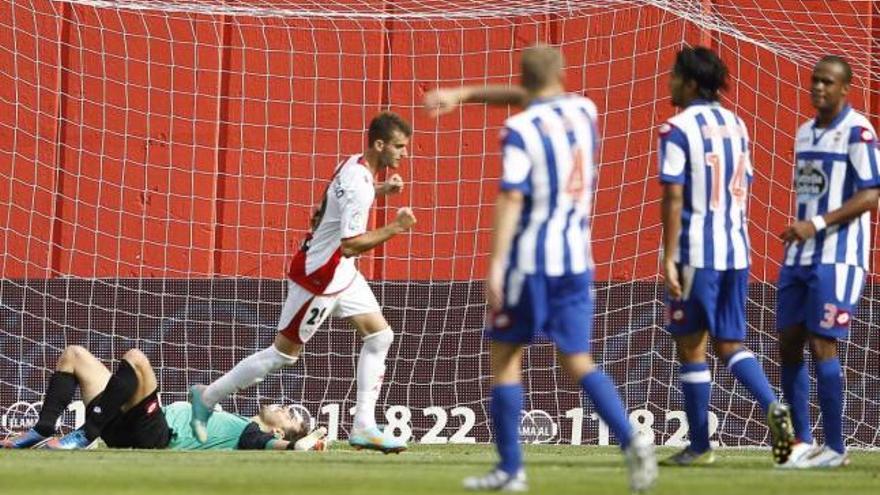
123 409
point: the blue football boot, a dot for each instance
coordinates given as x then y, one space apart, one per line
24 440
75 440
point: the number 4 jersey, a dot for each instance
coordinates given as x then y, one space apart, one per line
705 148
548 156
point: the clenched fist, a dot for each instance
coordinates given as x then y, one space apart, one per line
394 185
405 218
440 101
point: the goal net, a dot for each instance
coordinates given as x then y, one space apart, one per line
159 161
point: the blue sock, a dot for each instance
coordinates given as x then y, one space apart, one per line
598 387
829 384
696 385
507 402
747 370
796 390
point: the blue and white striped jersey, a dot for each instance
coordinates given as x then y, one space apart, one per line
549 151
706 149
831 166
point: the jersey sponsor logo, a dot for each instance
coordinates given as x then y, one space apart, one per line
811 183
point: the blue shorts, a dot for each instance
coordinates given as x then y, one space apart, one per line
823 298
711 300
561 307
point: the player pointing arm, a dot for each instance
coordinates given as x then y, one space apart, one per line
540 267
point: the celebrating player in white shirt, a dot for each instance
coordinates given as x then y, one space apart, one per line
705 170
324 280
837 176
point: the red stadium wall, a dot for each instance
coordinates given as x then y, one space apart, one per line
123 177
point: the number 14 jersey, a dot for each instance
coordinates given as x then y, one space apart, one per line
705 148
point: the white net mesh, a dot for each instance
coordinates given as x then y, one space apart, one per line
159 161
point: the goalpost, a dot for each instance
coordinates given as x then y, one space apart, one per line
159 161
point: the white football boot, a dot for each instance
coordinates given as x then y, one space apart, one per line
824 457
642 464
799 452
498 480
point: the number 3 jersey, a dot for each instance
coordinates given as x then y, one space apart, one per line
705 148
831 165
319 265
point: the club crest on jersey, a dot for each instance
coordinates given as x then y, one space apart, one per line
811 183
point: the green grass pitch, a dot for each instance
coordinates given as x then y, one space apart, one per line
552 470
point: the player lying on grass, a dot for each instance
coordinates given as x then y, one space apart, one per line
123 409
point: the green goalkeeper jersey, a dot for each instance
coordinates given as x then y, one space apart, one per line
226 431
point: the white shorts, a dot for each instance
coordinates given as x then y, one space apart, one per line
303 312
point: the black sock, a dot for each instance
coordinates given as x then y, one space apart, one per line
62 385
121 386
